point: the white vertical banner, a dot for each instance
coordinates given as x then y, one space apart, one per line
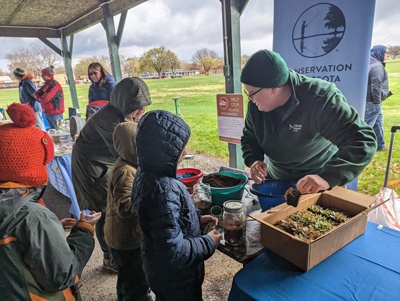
329 40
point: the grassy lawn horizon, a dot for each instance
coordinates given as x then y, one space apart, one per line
197 104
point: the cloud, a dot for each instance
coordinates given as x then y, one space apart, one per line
184 26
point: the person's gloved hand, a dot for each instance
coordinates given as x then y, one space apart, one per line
390 94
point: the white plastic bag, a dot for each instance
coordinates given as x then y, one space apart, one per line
387 214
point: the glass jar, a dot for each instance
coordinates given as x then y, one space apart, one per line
202 198
187 162
234 221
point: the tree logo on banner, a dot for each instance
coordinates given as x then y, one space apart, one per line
318 30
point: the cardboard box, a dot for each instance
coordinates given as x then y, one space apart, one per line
305 254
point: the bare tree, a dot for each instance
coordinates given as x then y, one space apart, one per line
207 58
2 72
393 51
189 66
32 58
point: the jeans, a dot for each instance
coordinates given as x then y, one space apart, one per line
38 114
374 118
53 120
131 283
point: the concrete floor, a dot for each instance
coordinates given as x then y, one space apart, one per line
98 284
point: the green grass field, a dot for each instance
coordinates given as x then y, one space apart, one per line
197 104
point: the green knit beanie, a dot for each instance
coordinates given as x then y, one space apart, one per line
19 72
265 69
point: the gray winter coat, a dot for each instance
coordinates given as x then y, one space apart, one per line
378 85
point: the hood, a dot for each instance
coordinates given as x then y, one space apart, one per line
130 94
27 76
124 141
378 52
12 201
161 138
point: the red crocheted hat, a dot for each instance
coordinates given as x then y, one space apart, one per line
25 149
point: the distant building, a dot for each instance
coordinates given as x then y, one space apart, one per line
6 82
169 74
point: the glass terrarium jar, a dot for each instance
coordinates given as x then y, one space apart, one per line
202 198
234 221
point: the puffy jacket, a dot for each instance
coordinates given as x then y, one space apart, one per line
121 229
51 97
173 249
27 89
378 83
97 92
37 261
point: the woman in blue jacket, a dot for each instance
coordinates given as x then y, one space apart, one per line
102 82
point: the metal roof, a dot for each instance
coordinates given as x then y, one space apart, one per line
55 18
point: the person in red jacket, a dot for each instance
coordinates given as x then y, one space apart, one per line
51 97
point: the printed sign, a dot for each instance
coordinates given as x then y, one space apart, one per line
327 40
230 111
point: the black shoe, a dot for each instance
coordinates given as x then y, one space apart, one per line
109 264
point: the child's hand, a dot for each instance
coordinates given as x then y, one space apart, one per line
92 218
216 237
68 223
206 218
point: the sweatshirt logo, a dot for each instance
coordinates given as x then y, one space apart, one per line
295 128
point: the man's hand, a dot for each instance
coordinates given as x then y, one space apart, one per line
258 171
312 184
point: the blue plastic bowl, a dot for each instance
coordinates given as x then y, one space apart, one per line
271 193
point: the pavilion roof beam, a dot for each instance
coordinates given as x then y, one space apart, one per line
20 6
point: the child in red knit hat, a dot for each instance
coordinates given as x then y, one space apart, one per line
37 260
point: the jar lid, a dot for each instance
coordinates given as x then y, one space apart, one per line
233 206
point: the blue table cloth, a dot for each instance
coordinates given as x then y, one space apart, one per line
366 269
60 176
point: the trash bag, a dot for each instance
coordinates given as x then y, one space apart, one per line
387 213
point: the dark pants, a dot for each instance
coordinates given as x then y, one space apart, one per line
100 236
191 292
53 119
131 283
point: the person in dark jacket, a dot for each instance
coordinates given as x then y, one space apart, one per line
27 89
377 92
122 229
94 154
304 126
38 262
173 248
102 82
51 97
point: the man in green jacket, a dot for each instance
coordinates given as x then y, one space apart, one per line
304 126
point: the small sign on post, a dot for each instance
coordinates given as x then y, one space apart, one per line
230 112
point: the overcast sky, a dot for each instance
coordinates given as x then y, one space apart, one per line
184 26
